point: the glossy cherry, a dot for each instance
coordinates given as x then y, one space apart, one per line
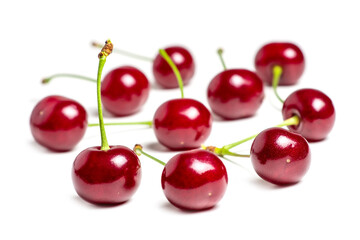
235 93
192 180
286 55
279 156
58 123
106 174
183 60
181 124
106 177
315 110
124 90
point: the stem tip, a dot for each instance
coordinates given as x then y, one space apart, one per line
107 49
137 149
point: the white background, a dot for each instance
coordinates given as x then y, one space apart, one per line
41 38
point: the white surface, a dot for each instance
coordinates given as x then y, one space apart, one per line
40 38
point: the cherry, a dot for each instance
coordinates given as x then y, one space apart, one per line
192 180
106 174
58 123
184 62
124 89
279 156
235 93
315 110
288 56
181 124
163 74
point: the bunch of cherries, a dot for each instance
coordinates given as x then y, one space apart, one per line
196 178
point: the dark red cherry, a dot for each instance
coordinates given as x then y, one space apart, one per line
124 91
235 93
106 177
183 60
279 156
286 55
194 180
58 123
315 110
181 124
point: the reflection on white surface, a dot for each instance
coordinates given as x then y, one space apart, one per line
191 113
290 53
318 104
70 111
128 80
201 167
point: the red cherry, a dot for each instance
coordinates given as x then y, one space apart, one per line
124 90
164 74
106 177
58 123
235 93
181 124
286 55
315 110
194 180
279 156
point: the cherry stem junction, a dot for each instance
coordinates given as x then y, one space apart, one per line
220 52
149 123
68 75
138 149
277 71
295 120
167 58
125 53
105 51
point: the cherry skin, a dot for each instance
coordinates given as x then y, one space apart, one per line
183 60
315 110
124 91
279 156
181 124
286 55
58 123
106 177
194 180
235 93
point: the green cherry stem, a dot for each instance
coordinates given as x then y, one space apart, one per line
59 75
105 51
277 71
125 53
295 120
220 52
167 58
149 123
138 149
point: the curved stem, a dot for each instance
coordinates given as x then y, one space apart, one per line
167 58
220 52
105 51
125 53
294 120
277 71
138 149
149 123
48 79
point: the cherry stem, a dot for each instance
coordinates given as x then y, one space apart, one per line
277 71
167 58
138 149
48 79
294 120
149 123
105 51
125 53
220 52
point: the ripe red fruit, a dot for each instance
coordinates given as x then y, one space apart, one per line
58 123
